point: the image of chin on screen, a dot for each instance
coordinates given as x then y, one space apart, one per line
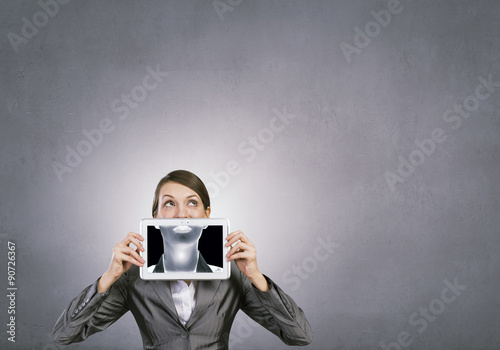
180 251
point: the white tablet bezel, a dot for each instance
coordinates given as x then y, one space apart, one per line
226 269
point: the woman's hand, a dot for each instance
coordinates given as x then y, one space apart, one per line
123 258
244 254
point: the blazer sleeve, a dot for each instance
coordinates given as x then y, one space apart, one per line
277 312
91 312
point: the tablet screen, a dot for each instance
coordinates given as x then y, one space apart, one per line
184 249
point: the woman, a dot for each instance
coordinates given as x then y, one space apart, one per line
182 314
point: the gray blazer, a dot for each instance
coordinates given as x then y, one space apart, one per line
151 303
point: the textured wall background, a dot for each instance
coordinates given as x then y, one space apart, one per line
305 119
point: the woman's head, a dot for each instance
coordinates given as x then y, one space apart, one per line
181 194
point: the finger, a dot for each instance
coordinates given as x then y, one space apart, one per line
233 238
232 234
133 260
233 250
127 251
131 236
239 246
242 247
239 255
135 254
135 235
138 244
242 237
130 256
245 239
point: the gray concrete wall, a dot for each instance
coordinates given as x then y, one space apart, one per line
355 142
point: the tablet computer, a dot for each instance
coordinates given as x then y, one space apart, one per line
185 249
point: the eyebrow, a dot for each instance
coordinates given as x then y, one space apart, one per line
167 195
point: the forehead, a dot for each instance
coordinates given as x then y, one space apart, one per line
176 190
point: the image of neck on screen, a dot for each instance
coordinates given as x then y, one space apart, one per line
180 247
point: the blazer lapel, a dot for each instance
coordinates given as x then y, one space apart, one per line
162 289
204 295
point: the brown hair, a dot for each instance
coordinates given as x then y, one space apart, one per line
187 179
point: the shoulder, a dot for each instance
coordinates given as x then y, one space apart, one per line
215 268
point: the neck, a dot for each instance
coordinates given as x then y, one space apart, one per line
183 257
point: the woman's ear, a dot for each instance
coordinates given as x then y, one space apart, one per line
207 212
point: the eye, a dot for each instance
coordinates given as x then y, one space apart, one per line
192 203
168 204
